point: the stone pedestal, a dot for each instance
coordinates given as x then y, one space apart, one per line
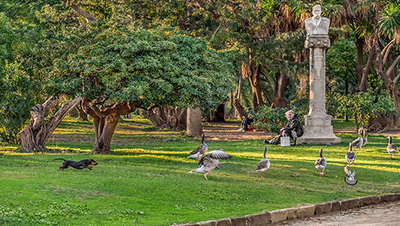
317 124
194 125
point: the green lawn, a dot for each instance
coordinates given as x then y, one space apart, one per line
341 123
145 180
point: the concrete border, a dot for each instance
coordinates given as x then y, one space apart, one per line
275 216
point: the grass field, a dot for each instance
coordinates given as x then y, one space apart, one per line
145 180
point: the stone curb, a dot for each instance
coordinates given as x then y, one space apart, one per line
271 217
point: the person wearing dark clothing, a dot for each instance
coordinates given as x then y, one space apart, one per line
293 128
294 125
245 123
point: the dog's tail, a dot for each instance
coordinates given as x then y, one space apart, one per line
59 159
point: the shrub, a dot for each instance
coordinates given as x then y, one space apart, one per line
270 119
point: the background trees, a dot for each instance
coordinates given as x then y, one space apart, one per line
77 57
116 69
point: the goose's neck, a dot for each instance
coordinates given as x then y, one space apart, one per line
265 151
320 153
390 140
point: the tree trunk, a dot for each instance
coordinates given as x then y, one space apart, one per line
239 108
219 114
362 73
384 122
231 114
105 121
194 124
252 72
360 57
105 130
82 113
281 83
167 117
35 135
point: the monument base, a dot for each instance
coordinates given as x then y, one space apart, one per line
313 138
318 130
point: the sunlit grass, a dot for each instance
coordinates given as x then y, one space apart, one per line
145 180
342 123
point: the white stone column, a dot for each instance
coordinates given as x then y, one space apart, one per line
317 124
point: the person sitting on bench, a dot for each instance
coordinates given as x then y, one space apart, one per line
293 129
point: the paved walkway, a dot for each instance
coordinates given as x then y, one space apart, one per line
384 214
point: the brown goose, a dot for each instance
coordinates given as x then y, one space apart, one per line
391 148
359 141
320 164
210 161
365 139
200 150
350 155
264 164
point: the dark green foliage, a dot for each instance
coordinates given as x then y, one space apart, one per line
270 119
341 61
18 88
18 98
365 105
160 67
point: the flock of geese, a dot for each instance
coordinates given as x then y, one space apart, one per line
210 161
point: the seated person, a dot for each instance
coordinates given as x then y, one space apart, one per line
293 128
245 123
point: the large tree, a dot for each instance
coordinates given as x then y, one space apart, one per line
116 69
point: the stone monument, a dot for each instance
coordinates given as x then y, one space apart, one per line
317 124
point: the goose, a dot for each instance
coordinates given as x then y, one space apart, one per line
264 164
200 150
391 148
350 176
350 155
358 142
320 164
365 139
210 161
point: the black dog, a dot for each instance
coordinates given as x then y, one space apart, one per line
86 163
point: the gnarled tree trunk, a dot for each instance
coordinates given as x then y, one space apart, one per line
105 120
281 83
168 117
252 72
35 135
385 122
239 108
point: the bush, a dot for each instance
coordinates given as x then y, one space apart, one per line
364 105
270 119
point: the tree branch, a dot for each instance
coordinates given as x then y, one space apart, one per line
89 17
386 50
391 68
396 78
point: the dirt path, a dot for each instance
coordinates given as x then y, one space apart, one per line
229 131
386 214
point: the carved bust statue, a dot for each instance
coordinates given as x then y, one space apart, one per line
317 25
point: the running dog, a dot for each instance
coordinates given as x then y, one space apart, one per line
86 163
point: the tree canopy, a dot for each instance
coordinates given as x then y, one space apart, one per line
107 63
